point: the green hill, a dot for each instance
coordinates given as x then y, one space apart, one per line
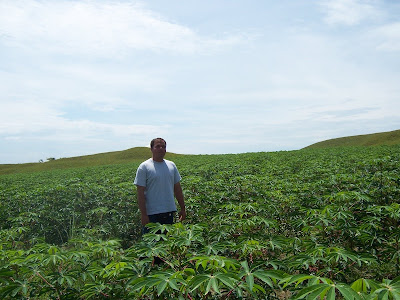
141 153
109 158
374 139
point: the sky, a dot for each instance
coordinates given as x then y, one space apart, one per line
81 77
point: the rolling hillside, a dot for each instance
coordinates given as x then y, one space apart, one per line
141 153
374 139
109 158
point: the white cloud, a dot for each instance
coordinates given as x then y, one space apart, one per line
91 52
85 76
97 87
101 88
84 130
388 37
96 28
349 12
36 120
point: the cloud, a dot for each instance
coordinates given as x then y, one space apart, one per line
101 88
96 28
388 37
92 76
37 121
92 53
349 12
382 32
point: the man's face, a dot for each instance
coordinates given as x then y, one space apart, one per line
159 149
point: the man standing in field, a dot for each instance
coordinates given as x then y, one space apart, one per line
158 184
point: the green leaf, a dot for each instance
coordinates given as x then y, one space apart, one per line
312 292
161 287
173 284
297 278
347 292
250 280
227 279
212 283
330 295
364 285
258 287
383 295
245 266
274 274
6 273
189 271
197 281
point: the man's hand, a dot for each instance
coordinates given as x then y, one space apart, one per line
182 215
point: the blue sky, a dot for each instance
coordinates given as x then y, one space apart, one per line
86 77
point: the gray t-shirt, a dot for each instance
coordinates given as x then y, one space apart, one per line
159 179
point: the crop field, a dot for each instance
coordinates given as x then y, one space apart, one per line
306 224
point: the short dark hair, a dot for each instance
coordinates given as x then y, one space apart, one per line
154 140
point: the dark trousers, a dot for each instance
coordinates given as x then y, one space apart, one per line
163 218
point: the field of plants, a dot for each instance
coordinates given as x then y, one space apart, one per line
306 224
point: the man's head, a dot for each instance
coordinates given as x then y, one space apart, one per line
154 140
158 148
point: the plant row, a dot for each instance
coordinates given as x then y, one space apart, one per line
299 224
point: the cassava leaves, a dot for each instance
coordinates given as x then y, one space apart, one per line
297 224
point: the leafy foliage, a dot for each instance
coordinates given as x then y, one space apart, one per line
306 224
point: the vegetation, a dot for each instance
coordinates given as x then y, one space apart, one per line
140 153
375 139
110 158
315 223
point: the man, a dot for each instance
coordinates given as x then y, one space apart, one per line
158 183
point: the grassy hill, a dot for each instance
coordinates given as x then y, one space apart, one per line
141 153
374 139
109 158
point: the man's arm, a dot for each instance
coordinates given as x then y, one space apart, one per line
141 198
179 196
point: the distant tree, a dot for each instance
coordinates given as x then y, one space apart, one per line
50 159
